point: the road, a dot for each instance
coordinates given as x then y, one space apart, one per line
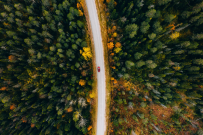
101 85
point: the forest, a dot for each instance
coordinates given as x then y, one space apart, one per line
45 68
155 52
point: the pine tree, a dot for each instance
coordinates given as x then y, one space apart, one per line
131 30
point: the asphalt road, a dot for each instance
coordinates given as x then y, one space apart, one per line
96 31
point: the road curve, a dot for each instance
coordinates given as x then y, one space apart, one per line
101 85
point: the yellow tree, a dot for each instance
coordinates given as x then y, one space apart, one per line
176 68
87 53
80 13
114 34
92 95
175 35
82 4
117 50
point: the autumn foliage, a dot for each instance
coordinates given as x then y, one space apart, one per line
32 125
110 45
12 107
70 109
118 44
86 53
3 88
89 128
24 119
11 58
82 82
80 13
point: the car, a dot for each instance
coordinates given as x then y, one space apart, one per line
98 68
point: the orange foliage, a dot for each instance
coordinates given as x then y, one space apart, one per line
115 3
118 44
89 128
11 57
24 119
110 45
109 30
3 88
58 126
114 67
88 100
112 54
114 28
82 4
78 5
32 125
115 82
173 28
70 109
200 86
12 107
82 82
63 115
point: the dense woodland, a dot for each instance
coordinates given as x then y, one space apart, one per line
156 58
45 68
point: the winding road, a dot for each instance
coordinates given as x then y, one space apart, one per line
101 85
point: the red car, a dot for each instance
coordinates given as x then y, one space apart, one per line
98 68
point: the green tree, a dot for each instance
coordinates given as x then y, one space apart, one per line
198 61
186 14
197 37
137 55
131 30
169 17
144 27
163 2
111 5
129 64
157 28
150 13
139 64
152 36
